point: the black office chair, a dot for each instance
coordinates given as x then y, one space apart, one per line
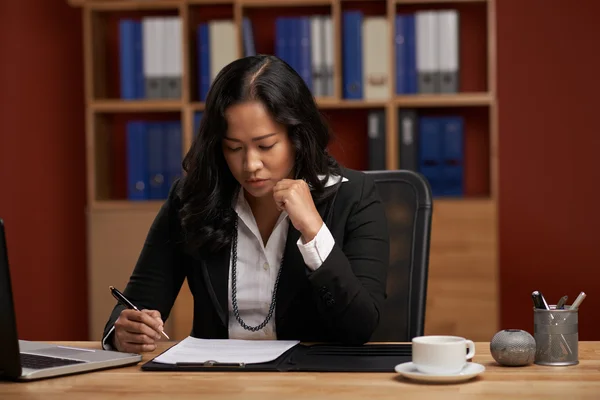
408 206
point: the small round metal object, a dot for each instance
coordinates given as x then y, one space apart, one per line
513 347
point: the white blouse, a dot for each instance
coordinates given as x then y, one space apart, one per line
257 267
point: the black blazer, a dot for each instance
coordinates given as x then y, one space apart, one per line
339 302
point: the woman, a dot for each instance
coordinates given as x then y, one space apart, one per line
277 241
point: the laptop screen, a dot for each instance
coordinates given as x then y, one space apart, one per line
10 364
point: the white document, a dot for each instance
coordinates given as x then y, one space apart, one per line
193 350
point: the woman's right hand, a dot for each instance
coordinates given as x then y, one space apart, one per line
137 331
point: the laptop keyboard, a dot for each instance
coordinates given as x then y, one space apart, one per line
35 361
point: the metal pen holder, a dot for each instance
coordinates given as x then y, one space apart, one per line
556 335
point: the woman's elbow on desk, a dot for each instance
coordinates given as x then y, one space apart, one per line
359 333
361 320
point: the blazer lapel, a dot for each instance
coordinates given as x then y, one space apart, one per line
294 270
215 271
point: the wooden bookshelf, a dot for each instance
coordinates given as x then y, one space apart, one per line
285 3
104 205
116 4
118 106
444 100
121 5
463 278
439 1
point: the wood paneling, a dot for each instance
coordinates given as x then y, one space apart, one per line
116 238
462 291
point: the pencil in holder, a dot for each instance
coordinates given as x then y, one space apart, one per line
556 335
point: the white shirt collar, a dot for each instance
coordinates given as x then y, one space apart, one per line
333 179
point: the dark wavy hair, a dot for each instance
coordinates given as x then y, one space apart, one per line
208 188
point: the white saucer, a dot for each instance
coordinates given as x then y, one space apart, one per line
408 370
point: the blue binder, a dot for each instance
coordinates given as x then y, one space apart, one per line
410 33
138 60
352 68
305 57
293 38
137 151
248 33
156 160
430 153
173 154
203 51
281 39
406 58
453 162
441 154
127 57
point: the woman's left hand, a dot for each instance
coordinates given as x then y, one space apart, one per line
294 197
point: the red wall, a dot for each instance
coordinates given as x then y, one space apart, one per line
548 89
42 166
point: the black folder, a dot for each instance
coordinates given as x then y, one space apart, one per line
311 358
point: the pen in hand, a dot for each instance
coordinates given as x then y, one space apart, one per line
125 302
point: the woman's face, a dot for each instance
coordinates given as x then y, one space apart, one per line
257 149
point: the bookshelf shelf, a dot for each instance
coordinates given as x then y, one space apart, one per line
209 2
154 205
132 5
197 106
438 1
323 103
344 104
284 3
117 106
126 205
157 4
445 100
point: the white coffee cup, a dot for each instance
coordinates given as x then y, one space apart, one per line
441 354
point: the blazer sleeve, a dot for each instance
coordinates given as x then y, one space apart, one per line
157 277
350 284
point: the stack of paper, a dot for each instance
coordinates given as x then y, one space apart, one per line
193 350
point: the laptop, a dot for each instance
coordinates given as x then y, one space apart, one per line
27 360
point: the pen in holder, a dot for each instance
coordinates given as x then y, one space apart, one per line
556 335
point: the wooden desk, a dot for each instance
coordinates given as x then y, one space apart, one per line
532 382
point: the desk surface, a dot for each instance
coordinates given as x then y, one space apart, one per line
532 382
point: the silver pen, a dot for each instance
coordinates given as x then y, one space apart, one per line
578 301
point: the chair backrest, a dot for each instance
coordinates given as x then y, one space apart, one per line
408 206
